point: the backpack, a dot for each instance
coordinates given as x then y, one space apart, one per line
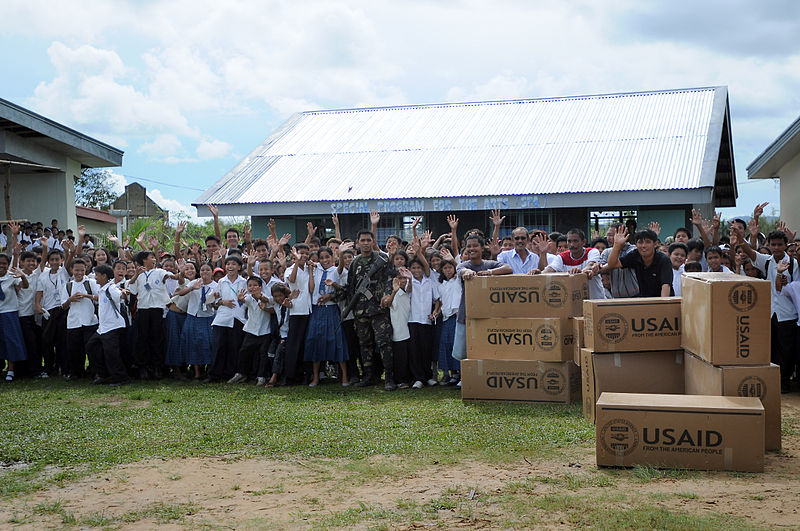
122 311
87 286
791 268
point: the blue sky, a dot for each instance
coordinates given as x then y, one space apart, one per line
188 88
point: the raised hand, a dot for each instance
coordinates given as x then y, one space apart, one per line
621 236
446 255
113 239
140 239
180 228
81 231
152 242
783 227
655 226
452 220
240 296
425 241
294 294
335 219
126 242
752 227
715 221
246 232
347 246
416 222
312 230
43 241
758 211
494 246
697 218
214 209
14 226
374 217
783 267
496 218
284 239
540 244
707 225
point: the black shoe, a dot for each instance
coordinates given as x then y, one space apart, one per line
210 379
143 374
99 380
70 378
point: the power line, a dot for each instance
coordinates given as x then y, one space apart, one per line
162 183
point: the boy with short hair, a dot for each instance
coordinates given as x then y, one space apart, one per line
104 346
228 322
677 256
79 297
12 345
714 260
47 301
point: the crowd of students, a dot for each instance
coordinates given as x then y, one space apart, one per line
236 309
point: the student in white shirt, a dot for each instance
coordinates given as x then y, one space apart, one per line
297 279
580 259
54 319
196 334
256 330
152 297
281 303
226 329
324 338
399 303
714 260
348 321
105 345
79 297
677 256
175 320
31 332
425 306
450 294
12 344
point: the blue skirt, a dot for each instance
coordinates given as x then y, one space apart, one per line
196 338
324 337
174 323
446 360
12 345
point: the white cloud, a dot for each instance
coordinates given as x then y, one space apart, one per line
213 149
118 182
175 207
162 146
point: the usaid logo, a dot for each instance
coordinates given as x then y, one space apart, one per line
612 327
619 437
555 294
742 297
752 386
546 337
554 382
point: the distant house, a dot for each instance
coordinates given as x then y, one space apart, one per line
39 160
136 200
98 223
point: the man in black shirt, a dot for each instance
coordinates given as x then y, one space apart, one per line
653 268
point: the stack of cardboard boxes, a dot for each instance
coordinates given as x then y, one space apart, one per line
520 338
732 394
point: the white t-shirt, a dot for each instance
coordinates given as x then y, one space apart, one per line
302 304
109 317
676 280
450 293
50 284
10 302
257 319
228 290
283 329
596 290
80 313
782 307
423 294
399 314
27 296
150 290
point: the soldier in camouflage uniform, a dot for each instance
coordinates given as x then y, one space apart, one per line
372 323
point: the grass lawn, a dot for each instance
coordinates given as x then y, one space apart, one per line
54 433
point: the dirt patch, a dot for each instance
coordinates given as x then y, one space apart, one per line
290 493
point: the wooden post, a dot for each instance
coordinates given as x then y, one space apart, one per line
7 192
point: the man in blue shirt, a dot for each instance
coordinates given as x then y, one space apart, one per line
521 260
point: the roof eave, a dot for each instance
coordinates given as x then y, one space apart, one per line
778 153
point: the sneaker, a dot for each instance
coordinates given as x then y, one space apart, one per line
354 380
10 376
417 385
452 381
433 381
261 381
43 376
237 378
402 385
345 384
459 384
390 385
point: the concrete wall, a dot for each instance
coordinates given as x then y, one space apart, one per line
790 192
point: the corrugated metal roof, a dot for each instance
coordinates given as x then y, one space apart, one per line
615 142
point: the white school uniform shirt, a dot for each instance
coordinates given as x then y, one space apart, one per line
423 294
792 292
3 240
283 329
156 296
332 274
228 290
450 294
194 307
266 286
50 285
80 313
596 290
399 313
10 302
724 270
257 319
27 296
676 280
302 304
782 307
434 275
172 286
109 318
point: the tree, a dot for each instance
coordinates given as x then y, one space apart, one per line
93 188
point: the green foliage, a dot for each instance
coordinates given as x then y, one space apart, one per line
93 188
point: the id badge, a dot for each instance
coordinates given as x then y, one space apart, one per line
205 307
147 287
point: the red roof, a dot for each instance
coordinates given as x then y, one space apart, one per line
95 214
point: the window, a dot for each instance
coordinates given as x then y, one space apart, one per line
538 219
601 220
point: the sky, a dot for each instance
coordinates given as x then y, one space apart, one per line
189 88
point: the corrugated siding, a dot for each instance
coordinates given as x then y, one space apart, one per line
626 142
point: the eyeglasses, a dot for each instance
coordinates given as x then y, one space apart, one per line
519 238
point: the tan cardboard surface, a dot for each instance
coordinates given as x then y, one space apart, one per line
635 324
629 372
760 381
520 381
680 431
577 343
557 295
516 338
726 318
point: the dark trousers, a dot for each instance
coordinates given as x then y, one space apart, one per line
225 345
784 342
150 338
274 362
401 371
32 335
252 349
77 339
351 338
295 347
420 351
54 341
105 355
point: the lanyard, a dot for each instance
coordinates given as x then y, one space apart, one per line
55 284
147 276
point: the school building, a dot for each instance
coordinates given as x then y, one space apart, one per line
781 160
39 160
550 163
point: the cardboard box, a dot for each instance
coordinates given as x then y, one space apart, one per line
577 342
760 381
629 372
680 431
556 295
726 318
629 325
520 381
516 338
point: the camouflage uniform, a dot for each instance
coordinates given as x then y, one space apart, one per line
372 323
